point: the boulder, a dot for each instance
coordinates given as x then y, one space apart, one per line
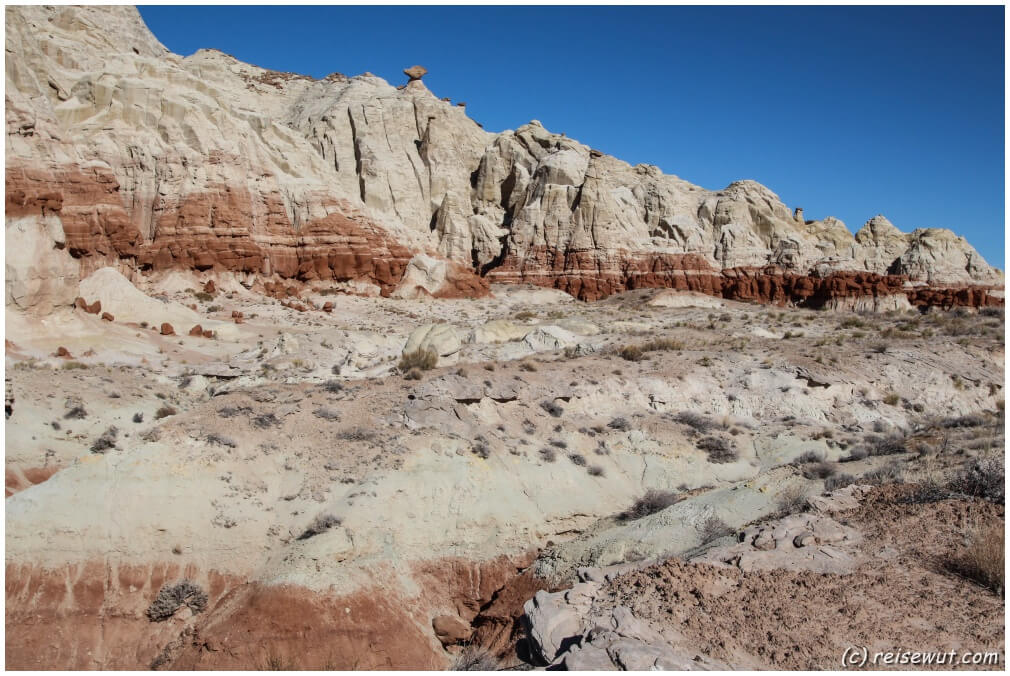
108 317
415 72
497 331
549 338
442 339
552 625
196 331
328 306
64 353
450 629
166 329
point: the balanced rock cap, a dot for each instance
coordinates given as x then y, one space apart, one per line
415 72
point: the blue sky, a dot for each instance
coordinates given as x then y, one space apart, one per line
845 111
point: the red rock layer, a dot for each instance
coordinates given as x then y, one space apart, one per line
221 228
587 275
91 616
18 479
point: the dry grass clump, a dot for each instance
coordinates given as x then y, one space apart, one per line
265 421
553 408
982 478
719 449
424 360
106 441
891 473
637 352
319 525
983 558
713 528
819 470
357 434
216 439
548 454
164 412
326 413
481 449
475 658
577 459
653 501
171 598
833 483
792 500
76 413
695 421
619 424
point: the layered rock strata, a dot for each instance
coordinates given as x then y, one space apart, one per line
121 153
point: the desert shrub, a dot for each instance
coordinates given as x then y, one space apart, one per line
481 449
76 413
927 491
983 558
424 360
971 420
808 457
74 365
527 366
524 315
695 421
819 470
106 441
890 473
475 658
857 453
171 598
595 470
216 439
558 443
164 412
204 296
653 501
631 353
138 417
412 374
719 450
548 454
792 500
320 525
333 386
713 528
326 413
356 434
890 445
553 408
620 424
265 421
833 483
982 478
892 399
577 459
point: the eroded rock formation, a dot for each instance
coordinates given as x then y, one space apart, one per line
120 153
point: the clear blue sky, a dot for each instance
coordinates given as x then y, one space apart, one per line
845 111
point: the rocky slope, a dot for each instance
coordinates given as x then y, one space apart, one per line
339 510
121 153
